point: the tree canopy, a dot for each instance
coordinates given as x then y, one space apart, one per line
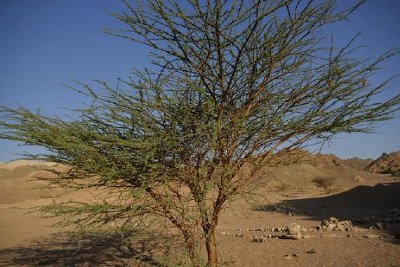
233 84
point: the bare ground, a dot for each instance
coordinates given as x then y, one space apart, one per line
29 240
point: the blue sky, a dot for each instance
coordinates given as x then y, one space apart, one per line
47 43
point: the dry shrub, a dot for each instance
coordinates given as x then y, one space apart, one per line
325 183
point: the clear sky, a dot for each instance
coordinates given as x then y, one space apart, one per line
47 43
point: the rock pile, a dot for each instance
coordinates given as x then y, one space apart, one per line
295 231
292 231
382 221
334 224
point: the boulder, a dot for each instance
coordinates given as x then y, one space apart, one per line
293 231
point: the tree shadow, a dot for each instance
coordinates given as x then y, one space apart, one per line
365 205
88 249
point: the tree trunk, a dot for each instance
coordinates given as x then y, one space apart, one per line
211 246
191 248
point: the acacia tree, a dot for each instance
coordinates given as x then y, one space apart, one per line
234 83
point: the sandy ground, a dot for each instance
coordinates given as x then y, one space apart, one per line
29 240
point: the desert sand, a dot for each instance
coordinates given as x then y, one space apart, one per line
361 227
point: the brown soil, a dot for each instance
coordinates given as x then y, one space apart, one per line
366 199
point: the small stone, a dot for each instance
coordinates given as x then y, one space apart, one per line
349 235
333 220
296 255
287 257
239 235
222 233
379 225
306 236
331 227
366 219
259 239
312 251
324 223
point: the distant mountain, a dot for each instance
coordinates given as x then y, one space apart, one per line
357 163
386 164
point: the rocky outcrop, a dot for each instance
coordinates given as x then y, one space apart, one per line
386 164
334 224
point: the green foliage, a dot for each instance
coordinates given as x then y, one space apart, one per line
325 183
235 83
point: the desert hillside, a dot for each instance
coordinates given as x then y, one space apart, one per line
386 164
357 163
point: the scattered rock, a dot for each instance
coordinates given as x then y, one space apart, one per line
312 251
259 239
372 236
378 225
334 224
287 257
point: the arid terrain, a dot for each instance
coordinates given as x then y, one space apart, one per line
324 212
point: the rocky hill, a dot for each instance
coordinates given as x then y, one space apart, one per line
357 163
386 164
